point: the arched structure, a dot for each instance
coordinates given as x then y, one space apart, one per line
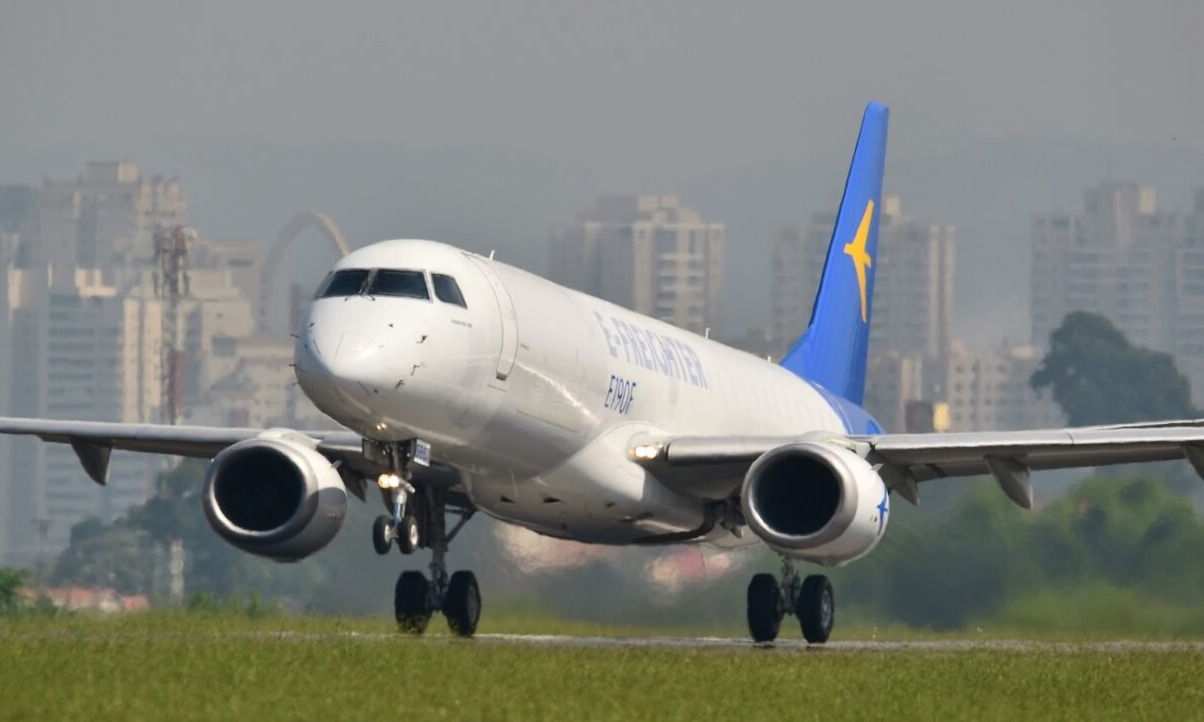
298 223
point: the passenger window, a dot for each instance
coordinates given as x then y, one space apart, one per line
447 290
407 284
343 283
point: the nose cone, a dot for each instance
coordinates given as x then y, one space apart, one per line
348 359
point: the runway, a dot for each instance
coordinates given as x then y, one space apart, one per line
790 645
782 645
798 645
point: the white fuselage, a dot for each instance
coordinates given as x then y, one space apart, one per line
536 392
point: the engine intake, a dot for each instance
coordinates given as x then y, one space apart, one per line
274 496
814 500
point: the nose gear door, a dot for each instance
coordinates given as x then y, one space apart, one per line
509 318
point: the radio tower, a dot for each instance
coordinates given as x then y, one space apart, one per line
171 284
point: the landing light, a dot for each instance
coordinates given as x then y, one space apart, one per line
647 452
388 481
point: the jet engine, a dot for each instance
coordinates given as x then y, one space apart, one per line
816 501
275 496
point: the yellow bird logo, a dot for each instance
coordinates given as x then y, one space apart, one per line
861 258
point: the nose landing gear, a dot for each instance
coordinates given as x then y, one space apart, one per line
418 520
810 599
401 527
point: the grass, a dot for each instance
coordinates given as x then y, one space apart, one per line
1097 609
220 665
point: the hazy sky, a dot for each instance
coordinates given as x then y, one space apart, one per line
645 96
617 84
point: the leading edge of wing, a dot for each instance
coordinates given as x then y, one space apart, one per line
93 440
966 453
1046 448
919 457
163 438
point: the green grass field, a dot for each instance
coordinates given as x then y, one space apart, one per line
205 666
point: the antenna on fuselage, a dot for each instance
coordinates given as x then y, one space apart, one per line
491 254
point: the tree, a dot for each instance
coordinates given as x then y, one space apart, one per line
105 555
121 554
1099 377
11 581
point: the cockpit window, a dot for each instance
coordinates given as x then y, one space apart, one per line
343 283
447 290
408 284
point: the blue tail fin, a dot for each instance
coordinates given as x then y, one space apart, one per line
832 352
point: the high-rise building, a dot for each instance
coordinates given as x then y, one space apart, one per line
18 209
106 218
242 260
1122 257
647 253
77 350
81 337
892 381
259 389
990 391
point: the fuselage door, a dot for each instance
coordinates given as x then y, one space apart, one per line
509 319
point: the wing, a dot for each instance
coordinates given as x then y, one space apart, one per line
93 442
707 467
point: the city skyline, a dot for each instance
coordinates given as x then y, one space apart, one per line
84 329
90 238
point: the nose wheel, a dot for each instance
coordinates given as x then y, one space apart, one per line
811 600
402 525
405 532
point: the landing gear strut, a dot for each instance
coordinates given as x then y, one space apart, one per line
419 519
810 599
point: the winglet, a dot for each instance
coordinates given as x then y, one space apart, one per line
832 352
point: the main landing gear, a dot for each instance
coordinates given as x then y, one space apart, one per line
418 520
810 599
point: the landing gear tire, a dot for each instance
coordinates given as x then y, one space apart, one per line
411 602
816 608
462 604
382 534
765 608
409 537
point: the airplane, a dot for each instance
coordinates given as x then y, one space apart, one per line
464 384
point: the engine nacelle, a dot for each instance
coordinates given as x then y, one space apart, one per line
815 501
275 496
